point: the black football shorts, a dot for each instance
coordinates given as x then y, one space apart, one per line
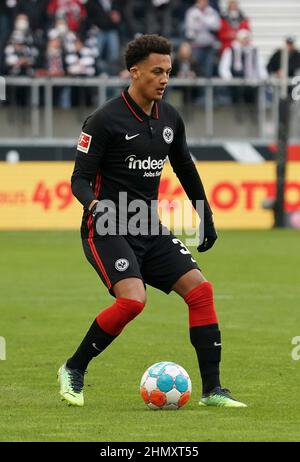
157 260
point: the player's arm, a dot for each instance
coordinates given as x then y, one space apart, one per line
188 176
91 148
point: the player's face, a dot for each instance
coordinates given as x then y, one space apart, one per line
151 76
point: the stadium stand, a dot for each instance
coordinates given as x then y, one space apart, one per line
271 21
72 41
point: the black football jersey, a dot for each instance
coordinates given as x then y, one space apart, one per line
122 149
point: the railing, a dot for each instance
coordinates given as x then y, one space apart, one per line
42 114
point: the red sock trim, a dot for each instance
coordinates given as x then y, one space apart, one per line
114 319
200 301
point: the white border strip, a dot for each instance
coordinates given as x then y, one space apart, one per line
244 153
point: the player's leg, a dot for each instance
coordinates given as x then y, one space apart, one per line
170 266
116 264
205 336
129 302
203 324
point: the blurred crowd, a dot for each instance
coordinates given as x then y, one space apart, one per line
87 38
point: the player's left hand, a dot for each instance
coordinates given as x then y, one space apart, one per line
209 238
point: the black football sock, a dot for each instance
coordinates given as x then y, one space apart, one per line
95 341
207 343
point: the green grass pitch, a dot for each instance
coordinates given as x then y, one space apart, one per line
50 295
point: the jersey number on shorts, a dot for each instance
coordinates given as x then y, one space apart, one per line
184 250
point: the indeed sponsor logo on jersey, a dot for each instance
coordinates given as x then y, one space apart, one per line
146 165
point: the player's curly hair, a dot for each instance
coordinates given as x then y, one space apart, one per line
141 47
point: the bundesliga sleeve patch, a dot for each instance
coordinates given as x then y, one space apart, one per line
84 142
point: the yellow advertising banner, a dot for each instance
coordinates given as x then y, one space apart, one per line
37 195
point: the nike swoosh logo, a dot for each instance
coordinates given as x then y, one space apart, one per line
95 346
127 137
217 344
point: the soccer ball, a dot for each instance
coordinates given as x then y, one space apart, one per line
165 385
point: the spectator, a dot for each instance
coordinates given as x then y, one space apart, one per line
55 66
275 63
81 61
215 4
232 21
62 29
20 53
201 24
158 17
20 59
185 66
54 59
7 12
66 36
129 26
105 14
242 60
73 11
36 11
69 38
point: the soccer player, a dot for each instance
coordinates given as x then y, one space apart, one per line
122 149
